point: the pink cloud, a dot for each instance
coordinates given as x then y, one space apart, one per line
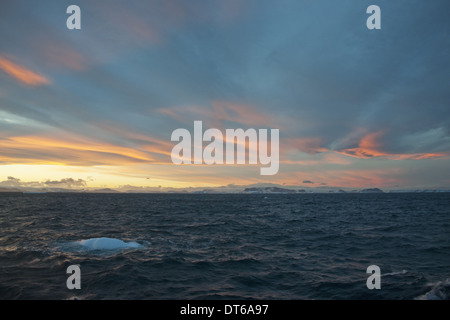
22 74
370 146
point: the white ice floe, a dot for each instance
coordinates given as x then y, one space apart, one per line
107 244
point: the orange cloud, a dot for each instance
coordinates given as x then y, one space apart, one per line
145 142
370 147
73 150
22 74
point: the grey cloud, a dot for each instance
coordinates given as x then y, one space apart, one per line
68 182
63 183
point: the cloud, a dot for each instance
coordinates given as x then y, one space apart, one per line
63 183
370 146
308 181
342 96
67 182
307 145
11 181
69 149
220 112
22 74
58 55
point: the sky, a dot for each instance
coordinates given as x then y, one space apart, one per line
96 107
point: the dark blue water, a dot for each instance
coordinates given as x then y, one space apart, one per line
199 246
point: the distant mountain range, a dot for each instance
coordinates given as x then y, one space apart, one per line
10 190
250 189
270 190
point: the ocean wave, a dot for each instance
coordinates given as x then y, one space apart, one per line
395 273
439 291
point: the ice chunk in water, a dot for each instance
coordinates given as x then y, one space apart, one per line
107 244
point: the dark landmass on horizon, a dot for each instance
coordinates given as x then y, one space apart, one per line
230 189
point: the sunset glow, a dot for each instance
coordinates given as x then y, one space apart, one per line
95 107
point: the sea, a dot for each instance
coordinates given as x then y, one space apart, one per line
225 246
